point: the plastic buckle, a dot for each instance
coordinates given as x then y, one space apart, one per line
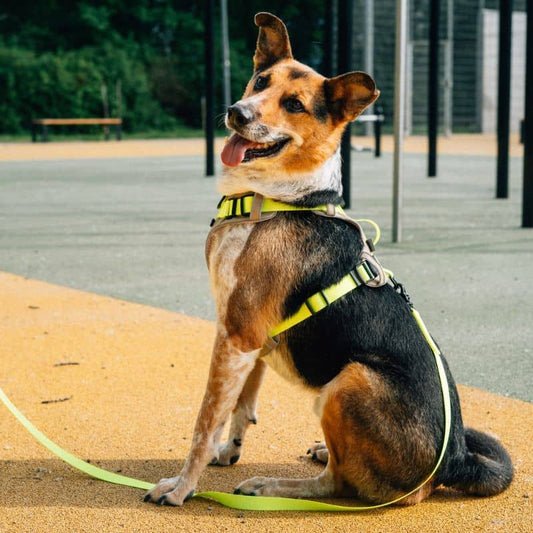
370 273
309 303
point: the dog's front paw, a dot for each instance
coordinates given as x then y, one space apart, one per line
257 486
170 491
228 453
319 452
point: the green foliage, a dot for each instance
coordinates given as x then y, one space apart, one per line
55 55
70 85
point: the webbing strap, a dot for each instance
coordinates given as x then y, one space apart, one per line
361 275
242 206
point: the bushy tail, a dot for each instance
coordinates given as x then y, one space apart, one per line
487 469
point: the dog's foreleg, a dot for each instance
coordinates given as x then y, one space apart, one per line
228 373
321 486
244 414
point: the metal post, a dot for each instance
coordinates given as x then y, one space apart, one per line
369 50
433 87
399 116
448 72
209 43
377 131
504 98
527 201
330 44
226 61
345 61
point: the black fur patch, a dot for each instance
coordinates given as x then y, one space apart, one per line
320 110
317 198
297 73
368 325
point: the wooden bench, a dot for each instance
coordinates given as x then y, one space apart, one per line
45 122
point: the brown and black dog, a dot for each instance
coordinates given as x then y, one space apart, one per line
379 396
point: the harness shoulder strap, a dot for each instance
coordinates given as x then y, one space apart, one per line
367 254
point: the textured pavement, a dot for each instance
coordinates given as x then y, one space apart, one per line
130 227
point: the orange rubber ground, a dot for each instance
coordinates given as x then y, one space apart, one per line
131 379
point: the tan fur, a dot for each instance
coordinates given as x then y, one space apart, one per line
250 309
313 143
362 455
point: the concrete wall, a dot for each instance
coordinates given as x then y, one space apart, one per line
490 24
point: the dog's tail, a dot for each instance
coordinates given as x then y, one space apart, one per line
487 469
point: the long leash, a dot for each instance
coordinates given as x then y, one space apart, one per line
235 501
239 501
267 503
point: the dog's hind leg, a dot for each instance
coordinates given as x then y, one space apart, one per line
244 414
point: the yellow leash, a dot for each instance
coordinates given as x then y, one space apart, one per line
314 304
239 501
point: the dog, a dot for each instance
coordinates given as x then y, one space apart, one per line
378 392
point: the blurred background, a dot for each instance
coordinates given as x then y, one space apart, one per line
143 60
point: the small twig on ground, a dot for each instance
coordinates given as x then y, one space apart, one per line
66 363
57 400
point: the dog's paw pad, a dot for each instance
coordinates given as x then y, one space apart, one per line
253 487
319 452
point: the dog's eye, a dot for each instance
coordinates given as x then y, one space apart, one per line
293 105
260 83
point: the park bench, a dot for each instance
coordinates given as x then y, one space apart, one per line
45 122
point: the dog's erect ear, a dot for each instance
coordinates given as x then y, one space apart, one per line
349 94
273 43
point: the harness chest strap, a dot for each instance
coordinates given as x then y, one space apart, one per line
253 207
256 208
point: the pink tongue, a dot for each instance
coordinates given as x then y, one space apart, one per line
233 152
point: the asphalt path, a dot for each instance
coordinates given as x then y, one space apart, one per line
134 227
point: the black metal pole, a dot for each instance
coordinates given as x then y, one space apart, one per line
209 43
504 98
433 87
330 40
377 131
527 203
345 62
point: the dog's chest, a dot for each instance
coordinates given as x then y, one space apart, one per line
253 268
224 248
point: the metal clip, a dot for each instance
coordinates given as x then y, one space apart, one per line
400 289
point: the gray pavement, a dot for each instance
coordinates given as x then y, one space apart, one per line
135 229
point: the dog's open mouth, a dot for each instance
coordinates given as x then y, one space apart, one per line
239 150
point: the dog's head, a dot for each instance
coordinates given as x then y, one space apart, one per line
290 119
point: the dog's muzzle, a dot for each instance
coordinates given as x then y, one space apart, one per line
238 116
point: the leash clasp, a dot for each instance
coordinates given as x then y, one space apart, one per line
400 289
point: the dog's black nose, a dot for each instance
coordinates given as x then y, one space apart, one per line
240 115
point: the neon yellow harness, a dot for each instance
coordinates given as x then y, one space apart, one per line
368 272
